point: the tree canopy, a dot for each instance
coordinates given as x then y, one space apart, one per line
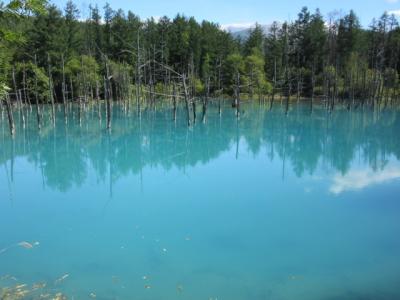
332 57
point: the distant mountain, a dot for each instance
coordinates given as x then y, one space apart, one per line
241 34
242 31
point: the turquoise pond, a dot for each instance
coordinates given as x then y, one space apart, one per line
303 206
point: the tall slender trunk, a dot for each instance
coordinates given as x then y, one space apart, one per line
237 94
38 112
288 92
194 110
26 89
312 89
10 115
18 98
205 100
220 90
174 101
108 98
53 110
72 88
138 75
64 89
274 86
98 100
186 99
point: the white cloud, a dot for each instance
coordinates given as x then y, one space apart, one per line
359 179
392 1
394 12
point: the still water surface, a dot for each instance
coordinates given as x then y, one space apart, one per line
268 207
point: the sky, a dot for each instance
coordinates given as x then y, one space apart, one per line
242 13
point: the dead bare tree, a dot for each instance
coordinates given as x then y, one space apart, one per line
18 98
186 99
237 94
51 96
38 111
63 89
174 102
10 115
107 93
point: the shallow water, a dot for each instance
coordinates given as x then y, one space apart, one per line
268 207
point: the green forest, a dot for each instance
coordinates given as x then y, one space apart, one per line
52 55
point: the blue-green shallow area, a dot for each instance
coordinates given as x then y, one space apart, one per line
304 206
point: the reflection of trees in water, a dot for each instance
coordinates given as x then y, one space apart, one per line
334 140
64 155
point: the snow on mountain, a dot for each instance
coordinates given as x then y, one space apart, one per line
242 30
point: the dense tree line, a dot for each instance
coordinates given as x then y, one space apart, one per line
49 55
334 58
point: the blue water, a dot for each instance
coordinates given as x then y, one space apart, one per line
304 206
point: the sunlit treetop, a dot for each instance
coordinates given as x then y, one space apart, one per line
24 7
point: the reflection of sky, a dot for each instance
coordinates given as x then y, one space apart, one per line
358 179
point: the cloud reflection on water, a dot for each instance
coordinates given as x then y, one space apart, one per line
359 179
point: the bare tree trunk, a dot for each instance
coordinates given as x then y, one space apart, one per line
220 90
312 88
138 74
107 89
53 110
335 88
38 112
26 90
2 109
299 83
15 86
186 99
98 100
80 102
365 95
194 109
127 90
251 83
174 101
64 89
273 87
18 98
289 91
10 115
22 110
237 94
84 83
72 88
205 100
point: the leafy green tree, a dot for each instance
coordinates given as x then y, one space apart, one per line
71 29
108 37
179 39
83 69
255 40
12 36
36 78
254 69
46 36
273 53
234 65
96 32
348 36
